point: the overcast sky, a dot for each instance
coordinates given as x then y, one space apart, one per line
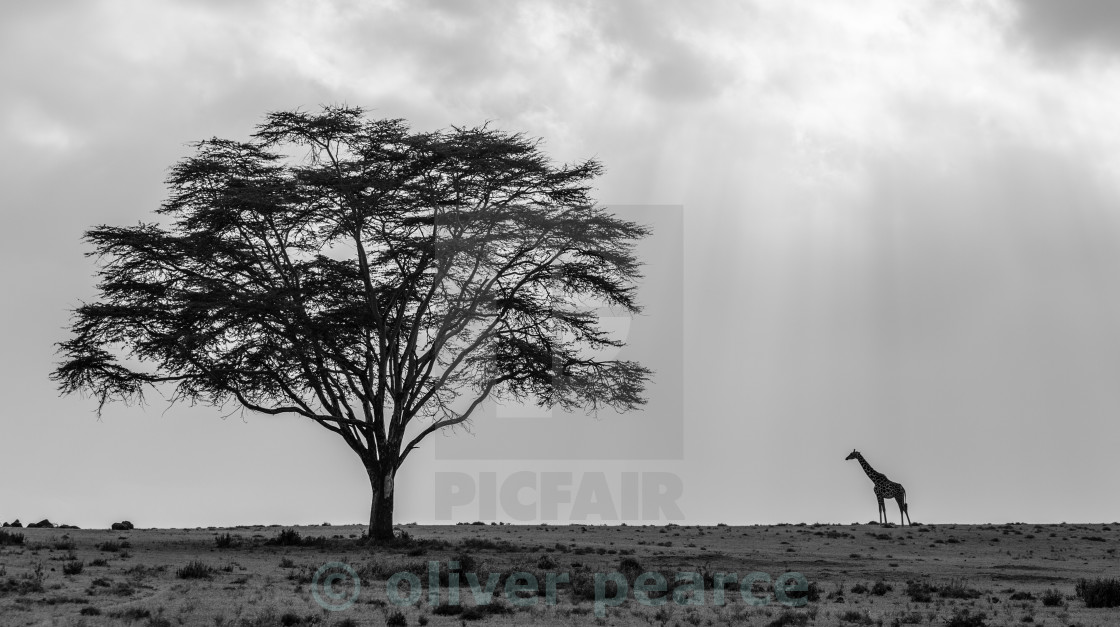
901 234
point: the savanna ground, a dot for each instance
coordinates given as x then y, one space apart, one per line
960 575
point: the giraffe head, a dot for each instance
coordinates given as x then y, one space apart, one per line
853 455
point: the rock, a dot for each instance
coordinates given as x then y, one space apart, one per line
42 524
122 526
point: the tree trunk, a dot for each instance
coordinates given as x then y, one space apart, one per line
381 509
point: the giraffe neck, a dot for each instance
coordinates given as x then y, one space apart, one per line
871 472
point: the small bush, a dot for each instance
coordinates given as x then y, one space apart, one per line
396 619
291 537
880 588
913 618
630 569
957 590
1099 592
73 567
131 614
486 544
109 547
852 616
788 618
291 619
919 592
227 541
287 537
963 619
472 613
467 563
1052 598
546 562
195 570
90 611
7 537
479 612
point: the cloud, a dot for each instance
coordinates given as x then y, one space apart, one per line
1069 25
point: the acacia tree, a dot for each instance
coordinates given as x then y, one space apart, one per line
382 283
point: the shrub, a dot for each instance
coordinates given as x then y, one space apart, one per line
194 570
1099 592
957 590
485 544
7 537
73 567
226 541
582 586
479 612
630 569
131 614
1052 598
287 537
546 562
963 619
110 546
291 537
90 611
852 616
789 618
467 563
880 588
919 592
290 619
472 613
396 619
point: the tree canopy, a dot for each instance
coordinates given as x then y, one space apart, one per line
381 282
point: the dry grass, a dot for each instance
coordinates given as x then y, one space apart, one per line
943 575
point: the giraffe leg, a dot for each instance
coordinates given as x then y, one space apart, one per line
901 498
882 513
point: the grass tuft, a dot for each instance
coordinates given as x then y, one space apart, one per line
195 570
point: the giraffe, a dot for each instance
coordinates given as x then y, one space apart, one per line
884 489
